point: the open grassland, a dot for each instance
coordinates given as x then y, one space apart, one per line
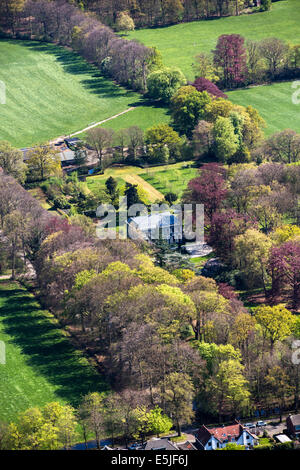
155 181
274 103
41 364
51 92
144 115
179 44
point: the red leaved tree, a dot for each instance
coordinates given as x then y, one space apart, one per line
203 84
231 56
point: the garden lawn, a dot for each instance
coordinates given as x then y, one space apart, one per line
179 44
274 103
41 364
170 180
155 181
51 92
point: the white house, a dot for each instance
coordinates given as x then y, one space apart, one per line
218 438
154 226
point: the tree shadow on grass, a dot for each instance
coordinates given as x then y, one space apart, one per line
92 79
47 351
74 64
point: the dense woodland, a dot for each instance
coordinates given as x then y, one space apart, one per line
189 333
168 339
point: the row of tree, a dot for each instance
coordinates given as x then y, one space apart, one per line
165 12
236 62
127 62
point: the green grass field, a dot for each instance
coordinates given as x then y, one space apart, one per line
179 44
163 179
170 180
144 116
52 92
274 103
41 364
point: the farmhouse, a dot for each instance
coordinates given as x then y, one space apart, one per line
67 156
218 438
150 227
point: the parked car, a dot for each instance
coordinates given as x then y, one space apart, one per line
261 423
135 446
250 425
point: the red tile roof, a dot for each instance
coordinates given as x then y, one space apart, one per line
221 433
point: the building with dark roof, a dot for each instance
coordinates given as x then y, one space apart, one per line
160 444
293 425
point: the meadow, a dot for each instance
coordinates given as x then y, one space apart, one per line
274 103
179 44
51 92
41 363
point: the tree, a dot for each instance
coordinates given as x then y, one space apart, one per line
131 192
225 140
11 161
209 188
216 108
9 10
277 387
160 137
254 63
204 67
229 388
163 84
158 423
251 254
188 108
43 162
99 139
124 22
284 265
111 187
50 428
231 57
135 141
277 322
92 405
14 229
171 197
203 84
283 147
112 419
171 11
225 226
177 390
274 51
203 139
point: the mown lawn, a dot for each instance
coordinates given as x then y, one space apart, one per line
179 44
164 178
52 92
170 180
41 364
274 103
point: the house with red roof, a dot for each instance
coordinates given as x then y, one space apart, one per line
218 438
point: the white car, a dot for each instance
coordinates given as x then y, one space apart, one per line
261 423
